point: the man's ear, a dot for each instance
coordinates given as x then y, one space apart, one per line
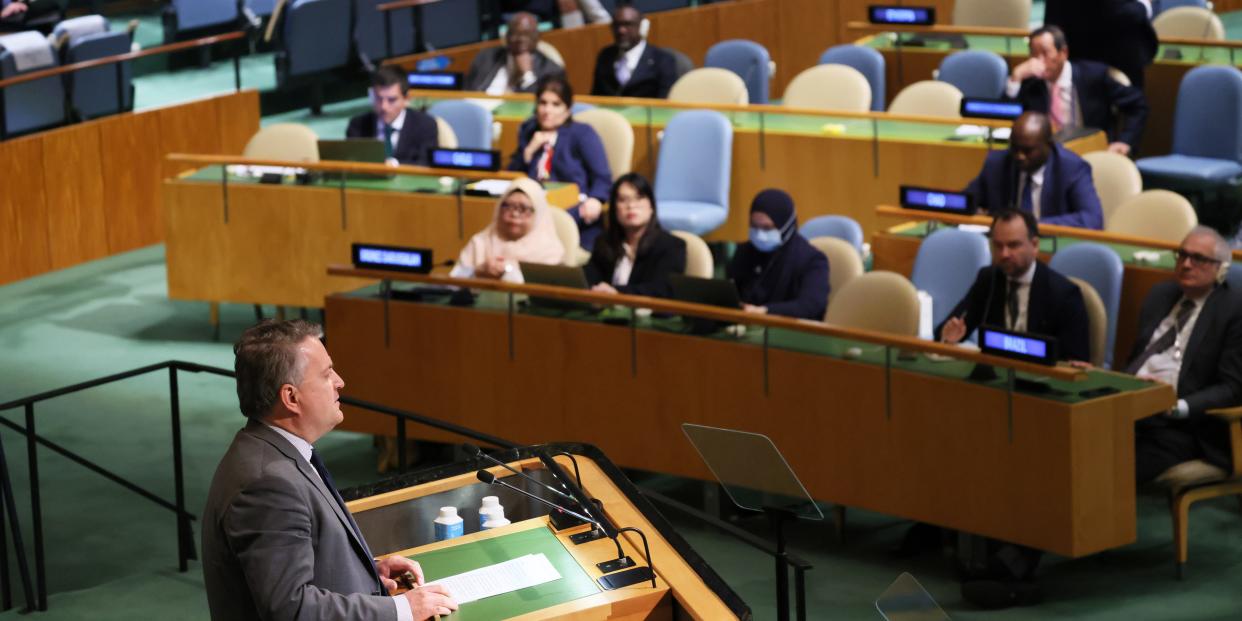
289 398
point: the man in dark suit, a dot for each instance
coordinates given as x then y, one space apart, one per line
1076 94
631 67
514 67
1190 336
1038 176
278 542
1021 293
1117 33
407 134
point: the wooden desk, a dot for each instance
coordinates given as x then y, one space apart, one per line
686 587
254 243
917 441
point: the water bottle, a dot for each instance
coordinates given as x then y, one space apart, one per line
448 524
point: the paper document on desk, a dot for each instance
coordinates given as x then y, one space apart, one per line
501 578
981 131
495 187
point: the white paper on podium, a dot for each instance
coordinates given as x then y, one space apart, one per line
501 578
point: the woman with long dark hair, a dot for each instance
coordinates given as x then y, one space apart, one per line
634 254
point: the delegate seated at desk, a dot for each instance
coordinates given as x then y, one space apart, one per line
408 134
1021 293
635 254
1190 337
778 271
552 147
1076 94
631 66
1038 176
514 67
278 542
521 231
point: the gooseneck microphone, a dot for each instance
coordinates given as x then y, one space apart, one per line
490 479
475 451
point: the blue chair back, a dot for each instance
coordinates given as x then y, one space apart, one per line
580 107
748 60
867 61
96 92
195 14
977 73
456 23
652 6
316 37
262 8
693 172
369 30
1208 119
1235 274
471 122
946 265
841 227
1160 6
1100 267
32 105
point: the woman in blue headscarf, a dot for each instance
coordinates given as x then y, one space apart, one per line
778 271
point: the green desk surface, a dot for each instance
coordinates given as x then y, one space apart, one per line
574 582
795 124
802 342
1050 245
1016 46
398 183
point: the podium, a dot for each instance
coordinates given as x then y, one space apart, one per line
396 518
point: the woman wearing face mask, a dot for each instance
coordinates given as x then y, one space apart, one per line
521 232
778 271
634 255
552 147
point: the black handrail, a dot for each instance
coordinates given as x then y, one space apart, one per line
185 534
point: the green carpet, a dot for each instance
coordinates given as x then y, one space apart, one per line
106 544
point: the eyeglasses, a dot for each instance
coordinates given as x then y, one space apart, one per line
517 209
1195 258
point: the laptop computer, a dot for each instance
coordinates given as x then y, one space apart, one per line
362 150
709 291
555 276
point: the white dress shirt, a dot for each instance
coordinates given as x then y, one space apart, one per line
1166 366
625 265
1036 179
1023 282
628 62
396 129
304 448
500 84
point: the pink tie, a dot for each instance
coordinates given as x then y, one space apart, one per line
1056 108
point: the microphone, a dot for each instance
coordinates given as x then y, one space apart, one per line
475 451
490 479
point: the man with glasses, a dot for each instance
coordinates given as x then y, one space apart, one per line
514 67
1190 336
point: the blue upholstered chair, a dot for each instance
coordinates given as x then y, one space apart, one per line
867 61
471 122
31 105
95 92
692 178
749 60
1207 131
262 8
369 30
977 73
946 265
1160 6
315 38
1100 267
840 227
182 16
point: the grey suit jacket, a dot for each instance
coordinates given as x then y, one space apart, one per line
277 545
488 62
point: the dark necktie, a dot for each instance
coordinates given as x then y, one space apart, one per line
1028 204
322 469
389 130
1011 303
1166 340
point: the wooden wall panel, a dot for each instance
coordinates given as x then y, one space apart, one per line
23 212
73 184
131 180
804 34
189 128
579 47
239 120
690 31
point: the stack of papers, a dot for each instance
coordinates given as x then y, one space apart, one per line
501 578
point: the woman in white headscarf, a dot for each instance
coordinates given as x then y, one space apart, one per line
521 231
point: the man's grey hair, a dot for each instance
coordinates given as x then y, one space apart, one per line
266 358
1223 252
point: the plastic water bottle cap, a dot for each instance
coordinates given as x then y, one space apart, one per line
491 502
448 512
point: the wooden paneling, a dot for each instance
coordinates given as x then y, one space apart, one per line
189 128
23 210
690 31
131 181
805 31
73 185
579 47
239 120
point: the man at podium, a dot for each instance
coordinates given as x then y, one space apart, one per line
278 541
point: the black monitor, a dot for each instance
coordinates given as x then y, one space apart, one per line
901 15
930 199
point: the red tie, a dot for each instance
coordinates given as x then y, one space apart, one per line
545 170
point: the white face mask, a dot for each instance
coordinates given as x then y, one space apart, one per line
765 240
